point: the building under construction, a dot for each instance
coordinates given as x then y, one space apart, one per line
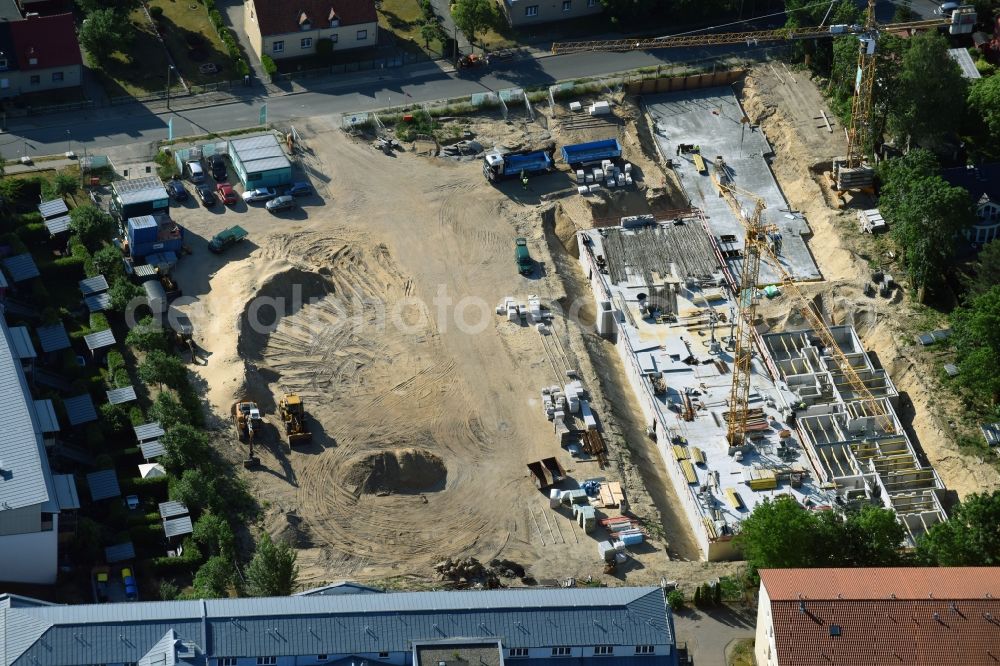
806 414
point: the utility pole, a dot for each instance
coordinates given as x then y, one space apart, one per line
170 68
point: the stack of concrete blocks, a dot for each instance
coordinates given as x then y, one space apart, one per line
534 312
609 550
574 394
585 516
575 106
554 404
588 415
599 109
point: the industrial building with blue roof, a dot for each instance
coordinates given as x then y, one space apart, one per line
583 627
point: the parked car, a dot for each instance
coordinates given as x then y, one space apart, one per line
177 191
207 195
284 202
259 194
195 172
227 193
219 168
300 189
946 8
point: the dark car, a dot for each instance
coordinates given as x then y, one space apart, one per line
177 190
219 169
207 195
299 189
284 202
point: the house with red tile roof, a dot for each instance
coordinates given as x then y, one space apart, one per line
39 53
924 616
283 29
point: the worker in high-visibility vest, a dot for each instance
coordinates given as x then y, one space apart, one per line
524 180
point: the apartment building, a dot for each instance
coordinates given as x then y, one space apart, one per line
350 625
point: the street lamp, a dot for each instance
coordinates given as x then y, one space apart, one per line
170 68
68 144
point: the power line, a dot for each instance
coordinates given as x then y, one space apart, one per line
740 22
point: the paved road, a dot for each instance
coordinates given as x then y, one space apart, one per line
100 128
708 632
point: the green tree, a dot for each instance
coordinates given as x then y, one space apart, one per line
429 32
987 269
105 31
196 489
929 81
121 6
474 17
873 536
161 368
65 183
272 571
676 600
213 578
984 111
780 533
11 189
976 338
168 411
147 336
108 262
187 448
168 591
124 294
971 537
927 215
91 225
214 534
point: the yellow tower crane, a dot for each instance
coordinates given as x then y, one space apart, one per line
757 245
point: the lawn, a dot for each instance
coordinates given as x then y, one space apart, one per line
403 18
193 41
143 70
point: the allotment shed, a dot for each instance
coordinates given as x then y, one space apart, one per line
138 196
260 161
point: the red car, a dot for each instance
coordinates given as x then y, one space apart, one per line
227 193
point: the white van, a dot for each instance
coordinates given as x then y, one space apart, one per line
195 171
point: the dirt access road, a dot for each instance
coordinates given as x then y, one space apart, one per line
422 428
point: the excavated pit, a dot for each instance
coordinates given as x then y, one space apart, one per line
400 471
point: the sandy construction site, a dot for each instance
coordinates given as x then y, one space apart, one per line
376 303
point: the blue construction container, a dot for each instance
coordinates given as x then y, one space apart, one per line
592 151
143 229
497 166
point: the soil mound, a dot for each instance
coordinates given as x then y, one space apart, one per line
398 471
281 295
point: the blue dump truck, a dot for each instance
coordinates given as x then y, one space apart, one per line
592 151
497 166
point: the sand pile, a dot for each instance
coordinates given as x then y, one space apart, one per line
398 471
281 295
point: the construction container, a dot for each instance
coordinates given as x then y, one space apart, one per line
142 229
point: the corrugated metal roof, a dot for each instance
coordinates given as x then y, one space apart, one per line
100 339
52 208
119 553
153 449
148 431
964 60
121 395
58 225
66 493
177 526
882 583
93 285
261 153
991 431
98 303
80 409
27 480
268 164
163 653
351 624
252 143
21 267
145 270
171 509
139 190
45 412
53 337
103 485
23 347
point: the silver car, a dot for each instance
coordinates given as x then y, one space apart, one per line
259 194
284 202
